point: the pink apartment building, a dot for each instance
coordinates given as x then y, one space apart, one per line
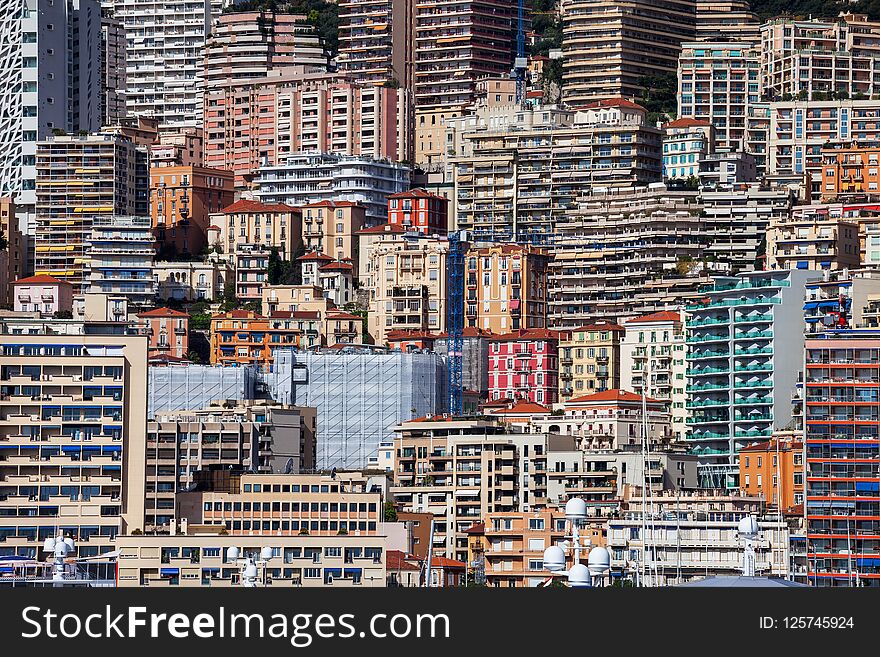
43 294
168 332
524 364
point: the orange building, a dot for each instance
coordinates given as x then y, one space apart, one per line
181 200
243 337
774 469
506 288
850 169
419 210
168 332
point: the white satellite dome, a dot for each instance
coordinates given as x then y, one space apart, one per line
232 553
250 571
748 526
599 561
579 576
69 543
575 509
554 558
49 545
266 553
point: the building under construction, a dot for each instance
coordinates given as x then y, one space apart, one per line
183 387
360 394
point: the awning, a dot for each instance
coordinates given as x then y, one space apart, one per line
169 571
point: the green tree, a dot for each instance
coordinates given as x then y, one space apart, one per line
659 96
390 514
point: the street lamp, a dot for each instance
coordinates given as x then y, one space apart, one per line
598 561
249 565
60 548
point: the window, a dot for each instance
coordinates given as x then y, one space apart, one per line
536 523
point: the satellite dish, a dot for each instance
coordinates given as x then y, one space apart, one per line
579 576
748 526
49 545
554 559
69 543
599 561
288 467
575 509
250 571
232 553
266 553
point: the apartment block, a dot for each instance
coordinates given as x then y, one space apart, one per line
842 477
506 288
461 470
774 470
251 223
182 198
456 43
525 364
852 295
113 59
589 358
686 143
264 121
249 44
334 277
41 294
186 447
720 82
407 284
529 173
178 147
193 280
14 258
744 343
812 59
624 254
810 238
652 359
80 178
331 227
311 178
121 253
72 431
418 210
199 559
849 170
243 337
168 332
376 40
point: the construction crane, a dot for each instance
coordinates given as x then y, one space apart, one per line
521 63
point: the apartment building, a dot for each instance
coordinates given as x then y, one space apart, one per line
800 129
199 559
626 253
506 288
462 470
41 294
849 170
113 47
184 448
72 431
589 358
850 295
246 223
686 143
249 44
407 284
608 48
810 238
744 343
685 536
178 147
812 59
652 358
182 198
456 43
529 173
259 122
524 364
774 470
81 177
725 169
311 178
168 332
376 40
418 210
367 238
165 55
120 259
719 82
192 280
14 258
842 477
243 337
726 19
51 60
334 277
331 228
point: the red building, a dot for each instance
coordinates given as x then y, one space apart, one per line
524 365
168 331
420 211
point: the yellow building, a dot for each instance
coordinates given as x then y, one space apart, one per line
506 287
589 359
251 223
331 227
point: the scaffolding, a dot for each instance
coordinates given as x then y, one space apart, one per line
360 397
183 387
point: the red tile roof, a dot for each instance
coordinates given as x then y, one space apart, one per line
238 314
336 266
613 395
521 407
408 334
245 205
396 560
598 326
527 334
342 315
382 229
687 123
417 193
315 255
162 312
40 278
476 528
470 332
295 314
443 562
662 316
613 102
